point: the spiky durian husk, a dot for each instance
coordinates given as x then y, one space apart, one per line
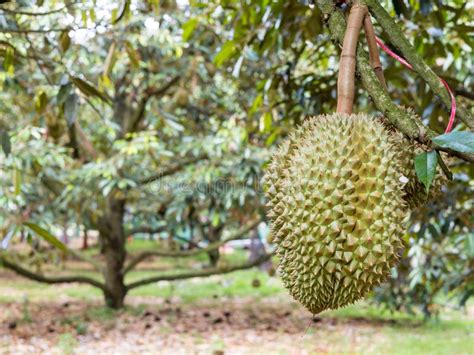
415 192
337 209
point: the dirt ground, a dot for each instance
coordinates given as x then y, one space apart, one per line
235 327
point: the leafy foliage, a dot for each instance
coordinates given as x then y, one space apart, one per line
438 265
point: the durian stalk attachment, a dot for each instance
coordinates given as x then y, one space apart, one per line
336 199
374 56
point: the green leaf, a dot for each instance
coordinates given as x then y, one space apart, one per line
41 100
70 109
63 93
175 125
257 103
461 141
188 28
215 220
110 60
92 15
51 239
425 167
225 53
469 244
237 67
266 122
9 60
84 18
64 41
132 55
17 177
123 11
6 143
272 137
89 89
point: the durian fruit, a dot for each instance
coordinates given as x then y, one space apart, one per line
336 201
415 192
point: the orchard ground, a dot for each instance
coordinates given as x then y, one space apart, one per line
246 312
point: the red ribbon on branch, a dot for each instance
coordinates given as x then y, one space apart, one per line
402 60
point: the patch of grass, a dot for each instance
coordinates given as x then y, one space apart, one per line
371 312
236 284
101 313
445 337
83 292
67 342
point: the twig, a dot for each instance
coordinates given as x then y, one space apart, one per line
181 254
36 59
374 56
94 108
172 170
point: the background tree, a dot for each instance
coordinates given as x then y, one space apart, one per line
129 122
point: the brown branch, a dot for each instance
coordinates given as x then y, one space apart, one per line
181 254
347 64
173 169
39 30
398 39
147 230
36 59
86 144
94 108
465 93
45 13
374 56
405 121
162 90
199 273
48 279
150 92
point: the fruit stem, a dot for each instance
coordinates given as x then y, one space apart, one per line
347 65
374 56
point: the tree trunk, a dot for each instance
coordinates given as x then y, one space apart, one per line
214 256
85 240
214 235
113 240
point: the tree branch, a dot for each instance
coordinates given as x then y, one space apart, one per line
405 121
150 92
397 37
40 30
173 169
374 56
45 13
86 259
85 143
147 230
465 93
49 280
199 273
180 254
162 90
